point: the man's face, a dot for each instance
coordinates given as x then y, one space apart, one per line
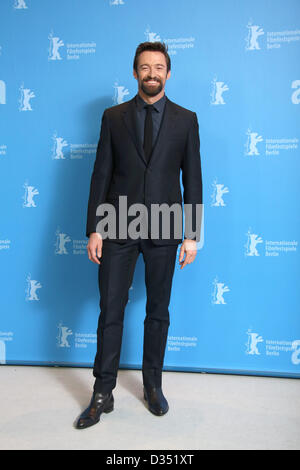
151 72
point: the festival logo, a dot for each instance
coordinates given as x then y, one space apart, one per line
272 39
252 241
2 352
26 96
5 338
272 247
253 138
272 146
273 348
151 36
63 333
30 192
252 344
219 288
296 352
182 343
3 149
32 286
55 44
2 92
295 95
75 51
77 247
254 32
119 94
218 88
59 144
174 44
20 5
79 339
5 244
75 150
60 243
218 191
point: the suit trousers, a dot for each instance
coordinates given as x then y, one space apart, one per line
115 277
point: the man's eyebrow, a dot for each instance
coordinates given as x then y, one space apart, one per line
141 65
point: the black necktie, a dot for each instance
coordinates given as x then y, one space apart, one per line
148 131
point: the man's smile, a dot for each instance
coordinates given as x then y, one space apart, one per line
151 82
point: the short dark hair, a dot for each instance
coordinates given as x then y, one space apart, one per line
152 46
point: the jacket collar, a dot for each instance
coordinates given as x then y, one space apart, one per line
167 122
158 105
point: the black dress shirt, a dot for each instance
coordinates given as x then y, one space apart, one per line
157 115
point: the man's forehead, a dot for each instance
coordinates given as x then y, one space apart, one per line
152 57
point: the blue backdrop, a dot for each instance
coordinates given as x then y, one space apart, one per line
237 65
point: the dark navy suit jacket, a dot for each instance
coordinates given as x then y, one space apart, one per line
121 168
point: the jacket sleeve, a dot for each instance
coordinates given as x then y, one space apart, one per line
101 175
192 183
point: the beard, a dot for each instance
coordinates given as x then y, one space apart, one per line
150 90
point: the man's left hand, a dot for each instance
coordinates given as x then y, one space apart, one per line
189 248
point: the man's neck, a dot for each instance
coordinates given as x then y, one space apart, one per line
151 99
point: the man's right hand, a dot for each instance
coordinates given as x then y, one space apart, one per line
94 247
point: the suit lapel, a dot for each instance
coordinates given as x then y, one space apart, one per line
130 120
167 122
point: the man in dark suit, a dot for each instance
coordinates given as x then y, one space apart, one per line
143 145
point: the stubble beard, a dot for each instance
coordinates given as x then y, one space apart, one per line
151 90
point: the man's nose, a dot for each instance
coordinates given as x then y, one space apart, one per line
152 76
152 72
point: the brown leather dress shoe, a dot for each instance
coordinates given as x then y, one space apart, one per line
156 401
100 403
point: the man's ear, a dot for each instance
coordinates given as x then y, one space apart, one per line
135 74
168 75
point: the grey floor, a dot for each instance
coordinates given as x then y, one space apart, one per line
39 405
